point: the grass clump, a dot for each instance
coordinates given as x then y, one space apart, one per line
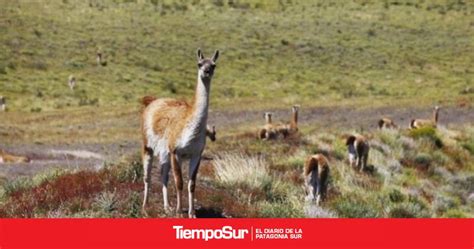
355 207
234 169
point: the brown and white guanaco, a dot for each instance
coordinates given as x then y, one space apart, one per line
386 123
174 130
358 149
268 131
418 123
316 174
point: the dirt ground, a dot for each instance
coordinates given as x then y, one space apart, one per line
94 156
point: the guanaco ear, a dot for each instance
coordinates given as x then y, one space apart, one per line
215 56
200 56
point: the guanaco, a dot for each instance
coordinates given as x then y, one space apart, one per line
9 158
268 131
386 123
316 174
71 82
358 149
174 130
292 127
418 123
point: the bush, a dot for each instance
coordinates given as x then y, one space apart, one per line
422 161
352 208
407 210
396 196
106 202
427 133
469 146
455 213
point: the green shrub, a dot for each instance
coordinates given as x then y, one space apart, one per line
396 196
422 161
354 208
106 202
134 205
408 210
469 146
455 213
427 133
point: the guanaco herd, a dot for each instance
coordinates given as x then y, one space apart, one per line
174 130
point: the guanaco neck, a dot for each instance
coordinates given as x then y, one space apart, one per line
294 119
268 118
198 117
435 115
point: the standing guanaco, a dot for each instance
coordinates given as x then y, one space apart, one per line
358 149
174 130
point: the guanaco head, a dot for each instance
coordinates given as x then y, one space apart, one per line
211 133
206 66
350 140
295 108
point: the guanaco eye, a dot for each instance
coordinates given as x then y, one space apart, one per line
199 64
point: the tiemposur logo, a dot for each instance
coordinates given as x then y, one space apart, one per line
226 232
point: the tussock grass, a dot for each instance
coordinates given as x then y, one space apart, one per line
240 169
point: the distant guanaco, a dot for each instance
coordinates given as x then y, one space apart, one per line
418 123
100 58
3 104
71 82
358 149
386 123
9 158
268 131
292 127
316 174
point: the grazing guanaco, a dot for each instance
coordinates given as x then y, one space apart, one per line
71 82
358 148
9 158
100 58
211 133
268 131
386 123
3 103
174 130
418 123
316 174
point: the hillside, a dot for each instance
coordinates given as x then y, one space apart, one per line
273 52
